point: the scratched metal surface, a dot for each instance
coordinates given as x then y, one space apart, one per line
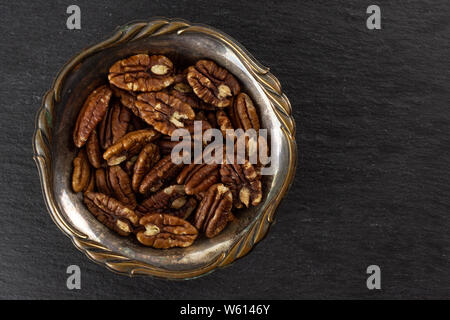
372 185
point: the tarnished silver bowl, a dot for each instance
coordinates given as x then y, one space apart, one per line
54 149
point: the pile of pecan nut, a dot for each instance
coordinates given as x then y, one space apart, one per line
124 167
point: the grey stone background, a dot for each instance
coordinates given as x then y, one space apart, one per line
373 130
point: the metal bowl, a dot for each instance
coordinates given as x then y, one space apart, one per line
184 43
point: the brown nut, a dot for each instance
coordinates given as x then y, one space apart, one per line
93 150
121 186
92 112
244 182
162 111
91 185
214 211
172 200
244 114
212 84
146 159
163 172
163 231
129 145
102 181
191 99
142 72
183 91
224 123
111 212
114 125
81 177
197 178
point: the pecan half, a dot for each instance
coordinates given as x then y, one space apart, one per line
162 111
163 231
93 150
244 116
197 178
91 185
114 125
191 99
102 181
121 186
147 158
224 122
92 112
142 72
244 113
212 84
244 182
164 171
129 145
214 211
172 200
81 176
183 91
111 212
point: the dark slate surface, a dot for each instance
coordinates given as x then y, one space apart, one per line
373 129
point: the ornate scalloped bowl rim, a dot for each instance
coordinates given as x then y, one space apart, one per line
42 156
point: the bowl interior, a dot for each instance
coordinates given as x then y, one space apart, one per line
183 50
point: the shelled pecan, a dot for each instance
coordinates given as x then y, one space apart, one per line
146 159
172 200
92 112
102 181
214 211
183 91
244 182
81 176
197 178
121 186
163 231
142 72
129 145
114 125
163 111
93 150
213 84
111 212
223 122
162 173
245 114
